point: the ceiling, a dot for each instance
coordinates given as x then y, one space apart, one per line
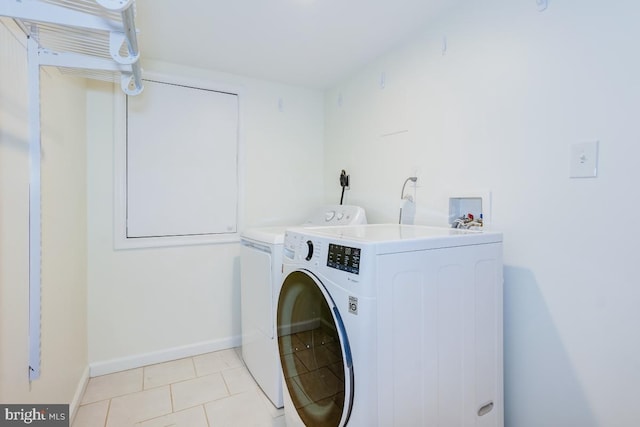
311 43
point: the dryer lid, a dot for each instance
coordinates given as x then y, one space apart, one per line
267 235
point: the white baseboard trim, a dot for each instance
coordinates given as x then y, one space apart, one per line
77 397
166 355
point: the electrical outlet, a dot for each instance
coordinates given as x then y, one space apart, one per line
584 160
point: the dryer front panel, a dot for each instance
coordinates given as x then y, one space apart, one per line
314 352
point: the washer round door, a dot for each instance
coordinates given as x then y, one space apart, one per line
314 352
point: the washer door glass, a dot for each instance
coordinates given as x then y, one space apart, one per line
314 352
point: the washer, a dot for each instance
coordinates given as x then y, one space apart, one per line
260 278
391 325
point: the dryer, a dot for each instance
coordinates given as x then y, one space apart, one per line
391 325
260 278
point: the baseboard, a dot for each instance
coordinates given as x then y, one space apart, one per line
166 355
77 397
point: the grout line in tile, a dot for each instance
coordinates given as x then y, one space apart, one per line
111 397
206 416
207 402
106 418
152 388
171 396
226 385
191 379
204 403
144 368
193 364
163 415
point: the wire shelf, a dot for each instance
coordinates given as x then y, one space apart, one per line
94 31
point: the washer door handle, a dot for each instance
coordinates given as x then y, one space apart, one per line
309 250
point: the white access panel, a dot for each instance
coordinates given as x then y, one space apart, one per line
440 318
182 162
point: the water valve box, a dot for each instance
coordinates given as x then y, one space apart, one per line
472 211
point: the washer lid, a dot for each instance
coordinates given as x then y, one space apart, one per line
391 238
268 235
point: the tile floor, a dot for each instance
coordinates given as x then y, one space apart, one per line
210 390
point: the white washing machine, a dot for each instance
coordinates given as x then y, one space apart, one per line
260 279
391 325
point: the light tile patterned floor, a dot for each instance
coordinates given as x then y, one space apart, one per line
210 390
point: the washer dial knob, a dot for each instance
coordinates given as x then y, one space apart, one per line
309 250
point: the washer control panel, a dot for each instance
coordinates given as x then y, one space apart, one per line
317 252
337 215
298 248
344 258
324 252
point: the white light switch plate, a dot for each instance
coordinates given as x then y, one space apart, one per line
584 160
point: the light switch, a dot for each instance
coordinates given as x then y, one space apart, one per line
584 160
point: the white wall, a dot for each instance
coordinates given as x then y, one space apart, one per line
64 273
147 305
498 111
